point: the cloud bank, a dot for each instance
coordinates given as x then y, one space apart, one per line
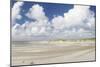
78 22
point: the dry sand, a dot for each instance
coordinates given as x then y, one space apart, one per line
52 52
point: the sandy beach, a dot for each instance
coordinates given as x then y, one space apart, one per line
52 52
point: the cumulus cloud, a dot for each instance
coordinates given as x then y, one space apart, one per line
77 22
36 12
77 16
16 11
29 28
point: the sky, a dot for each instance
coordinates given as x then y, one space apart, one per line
51 21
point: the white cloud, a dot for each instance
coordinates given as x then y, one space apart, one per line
58 22
77 16
77 21
81 30
37 13
16 11
29 28
19 17
91 22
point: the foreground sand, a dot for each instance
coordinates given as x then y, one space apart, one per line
52 52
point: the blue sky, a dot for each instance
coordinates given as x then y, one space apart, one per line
55 14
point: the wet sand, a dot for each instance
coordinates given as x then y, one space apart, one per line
52 52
